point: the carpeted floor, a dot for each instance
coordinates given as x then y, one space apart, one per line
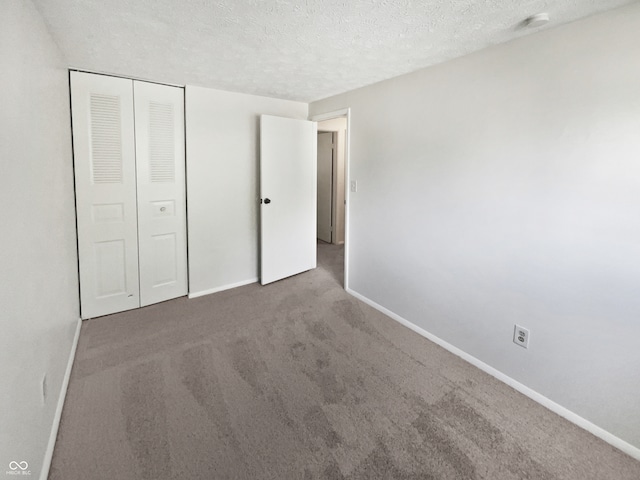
298 380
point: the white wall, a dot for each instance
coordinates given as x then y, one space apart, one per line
338 125
38 287
222 183
504 187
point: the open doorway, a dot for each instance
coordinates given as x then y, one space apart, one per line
326 199
332 194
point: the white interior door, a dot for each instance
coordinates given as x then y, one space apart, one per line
159 121
288 192
325 186
105 177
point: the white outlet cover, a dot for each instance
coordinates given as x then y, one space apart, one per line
354 186
521 336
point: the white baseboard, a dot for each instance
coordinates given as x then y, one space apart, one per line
599 432
48 454
222 288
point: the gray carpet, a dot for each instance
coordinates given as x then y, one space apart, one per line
298 380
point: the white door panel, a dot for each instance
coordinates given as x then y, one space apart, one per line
159 120
288 191
105 178
325 186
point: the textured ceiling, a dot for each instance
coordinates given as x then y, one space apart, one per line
296 49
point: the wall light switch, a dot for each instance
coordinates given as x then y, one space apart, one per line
354 186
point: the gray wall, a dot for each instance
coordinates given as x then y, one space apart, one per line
38 286
222 184
504 187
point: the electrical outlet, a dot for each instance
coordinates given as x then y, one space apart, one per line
354 186
521 336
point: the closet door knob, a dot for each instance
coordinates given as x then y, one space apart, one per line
267 201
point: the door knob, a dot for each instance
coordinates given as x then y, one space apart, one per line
267 201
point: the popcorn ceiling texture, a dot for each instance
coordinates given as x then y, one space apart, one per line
295 49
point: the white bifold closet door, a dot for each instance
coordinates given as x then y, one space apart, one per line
159 119
106 205
128 139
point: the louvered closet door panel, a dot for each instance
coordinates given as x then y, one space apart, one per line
104 164
159 118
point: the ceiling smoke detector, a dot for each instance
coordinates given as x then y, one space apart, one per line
537 20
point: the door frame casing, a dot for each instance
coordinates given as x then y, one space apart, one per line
345 112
